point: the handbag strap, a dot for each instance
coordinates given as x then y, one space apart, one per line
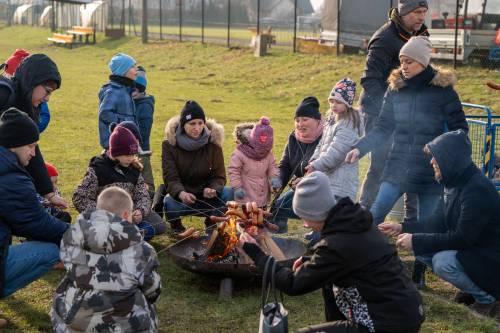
273 287
265 284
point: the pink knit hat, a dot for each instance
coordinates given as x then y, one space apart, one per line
261 136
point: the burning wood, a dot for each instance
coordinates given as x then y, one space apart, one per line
221 246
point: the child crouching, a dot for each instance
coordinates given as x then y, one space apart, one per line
112 282
252 168
119 166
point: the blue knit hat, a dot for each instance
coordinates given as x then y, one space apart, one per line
121 63
344 91
141 81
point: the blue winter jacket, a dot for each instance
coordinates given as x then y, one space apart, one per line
144 109
115 105
44 117
21 214
416 111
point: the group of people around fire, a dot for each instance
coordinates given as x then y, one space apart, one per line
410 122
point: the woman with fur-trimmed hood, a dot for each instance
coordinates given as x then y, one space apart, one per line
193 166
419 105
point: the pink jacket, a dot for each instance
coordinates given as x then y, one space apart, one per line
253 176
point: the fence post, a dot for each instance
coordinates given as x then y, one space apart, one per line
144 26
295 26
161 20
180 20
338 28
53 20
202 21
455 51
228 23
258 17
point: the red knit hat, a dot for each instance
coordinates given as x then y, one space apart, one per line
14 60
51 169
122 142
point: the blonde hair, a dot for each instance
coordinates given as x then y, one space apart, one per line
353 118
115 200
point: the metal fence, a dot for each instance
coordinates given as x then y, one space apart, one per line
459 31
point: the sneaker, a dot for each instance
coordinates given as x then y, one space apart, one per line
463 298
488 310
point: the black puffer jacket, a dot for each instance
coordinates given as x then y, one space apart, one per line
356 262
416 111
470 222
382 58
34 70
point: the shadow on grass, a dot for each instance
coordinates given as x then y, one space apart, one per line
23 311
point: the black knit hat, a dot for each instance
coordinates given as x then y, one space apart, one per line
17 129
190 111
309 107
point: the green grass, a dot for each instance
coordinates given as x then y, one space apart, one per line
232 86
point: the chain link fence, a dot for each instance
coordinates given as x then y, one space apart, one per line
462 31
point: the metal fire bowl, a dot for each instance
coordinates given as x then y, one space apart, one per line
182 254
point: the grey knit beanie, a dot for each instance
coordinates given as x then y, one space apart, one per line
407 6
418 48
313 197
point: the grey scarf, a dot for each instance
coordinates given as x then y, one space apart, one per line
189 144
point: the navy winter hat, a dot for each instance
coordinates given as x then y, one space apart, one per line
407 6
190 111
309 107
17 129
141 81
344 91
121 63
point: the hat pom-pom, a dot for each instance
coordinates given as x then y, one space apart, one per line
265 121
112 127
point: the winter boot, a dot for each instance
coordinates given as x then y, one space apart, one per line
418 276
176 226
463 298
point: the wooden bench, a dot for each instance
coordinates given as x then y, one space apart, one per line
81 32
63 39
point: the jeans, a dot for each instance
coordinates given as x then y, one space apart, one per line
175 209
152 225
378 156
283 211
27 262
446 265
390 193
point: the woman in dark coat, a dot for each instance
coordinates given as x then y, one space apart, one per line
36 78
193 166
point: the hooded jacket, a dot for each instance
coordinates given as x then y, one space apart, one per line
416 111
192 171
382 58
21 214
111 281
470 220
251 175
144 108
115 105
359 271
33 71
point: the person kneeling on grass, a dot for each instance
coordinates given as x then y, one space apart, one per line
462 241
364 285
112 282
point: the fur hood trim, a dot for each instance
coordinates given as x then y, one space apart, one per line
242 132
216 129
443 78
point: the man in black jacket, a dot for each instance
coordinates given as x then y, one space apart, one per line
360 273
462 241
383 56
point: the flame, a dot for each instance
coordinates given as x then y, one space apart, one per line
228 233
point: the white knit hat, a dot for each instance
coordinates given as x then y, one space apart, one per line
419 49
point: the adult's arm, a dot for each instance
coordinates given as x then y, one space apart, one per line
383 127
36 168
171 177
85 195
436 223
217 178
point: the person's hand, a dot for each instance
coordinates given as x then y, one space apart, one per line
352 156
56 201
294 182
390 229
187 198
246 238
209 193
137 216
239 193
309 169
275 184
297 263
405 242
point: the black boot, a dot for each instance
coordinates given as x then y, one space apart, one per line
176 226
418 276
463 298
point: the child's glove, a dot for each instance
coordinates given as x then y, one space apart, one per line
276 183
239 193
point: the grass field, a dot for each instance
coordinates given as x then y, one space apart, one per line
232 86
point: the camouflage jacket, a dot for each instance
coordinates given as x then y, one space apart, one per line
111 282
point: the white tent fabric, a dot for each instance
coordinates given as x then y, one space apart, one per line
22 11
